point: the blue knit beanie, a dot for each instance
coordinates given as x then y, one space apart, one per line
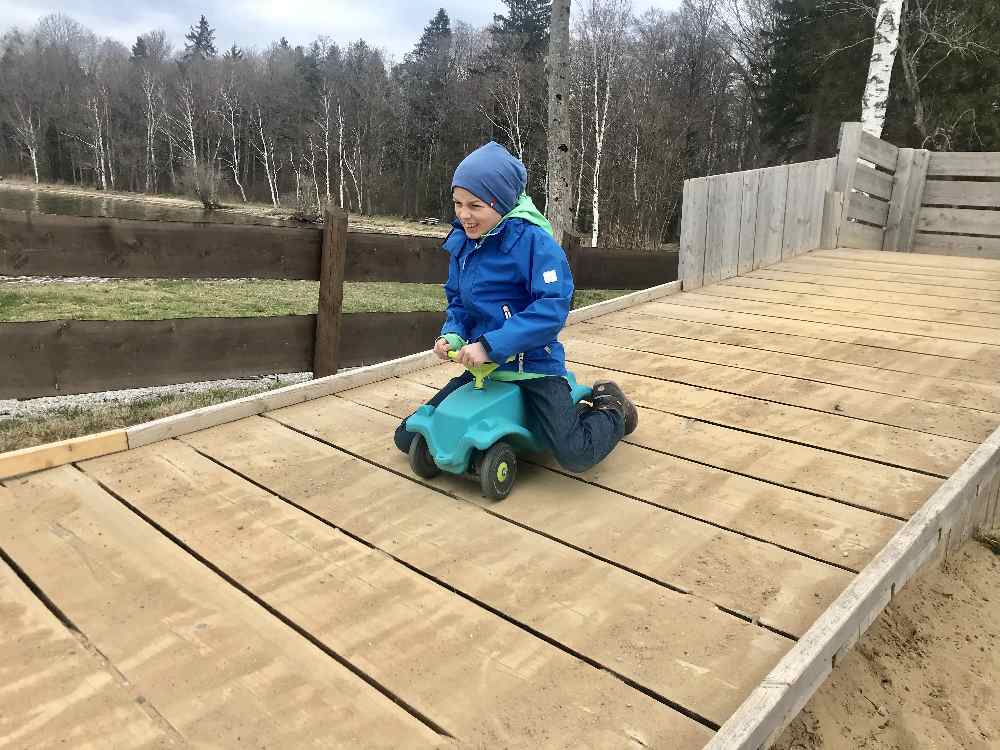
494 176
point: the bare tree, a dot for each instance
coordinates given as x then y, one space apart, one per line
559 198
231 113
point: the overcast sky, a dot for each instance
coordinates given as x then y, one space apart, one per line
392 24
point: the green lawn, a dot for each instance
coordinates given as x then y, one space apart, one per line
161 299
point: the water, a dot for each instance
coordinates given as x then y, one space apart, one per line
42 201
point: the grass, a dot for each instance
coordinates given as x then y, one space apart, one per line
74 421
157 300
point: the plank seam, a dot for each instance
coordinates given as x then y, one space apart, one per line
274 612
762 274
443 584
937 280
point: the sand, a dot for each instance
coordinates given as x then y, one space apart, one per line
927 673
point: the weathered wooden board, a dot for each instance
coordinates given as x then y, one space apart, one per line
599 269
405 631
215 665
868 209
61 357
932 293
872 181
967 164
961 193
56 691
895 423
958 324
569 597
850 480
790 337
927 300
959 221
770 229
748 220
694 233
46 456
963 245
878 151
905 261
849 328
853 234
859 270
666 547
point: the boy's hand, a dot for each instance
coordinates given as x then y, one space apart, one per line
472 355
441 348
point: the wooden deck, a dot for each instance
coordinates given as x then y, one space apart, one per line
283 581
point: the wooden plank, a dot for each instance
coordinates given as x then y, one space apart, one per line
959 220
857 267
694 229
27 460
851 328
851 480
901 424
870 180
968 164
405 631
934 529
718 234
956 324
64 357
770 227
962 395
326 346
868 209
961 193
909 262
961 245
825 170
848 147
598 269
833 209
37 244
732 218
214 664
853 234
800 184
210 416
748 220
928 299
940 293
878 151
412 259
791 337
56 691
905 210
614 618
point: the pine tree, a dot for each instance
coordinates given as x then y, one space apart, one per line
139 50
201 41
526 20
233 54
435 32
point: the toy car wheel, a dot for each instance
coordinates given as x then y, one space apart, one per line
497 471
421 460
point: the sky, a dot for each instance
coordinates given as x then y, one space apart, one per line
394 25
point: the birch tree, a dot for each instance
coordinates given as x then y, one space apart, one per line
559 200
886 42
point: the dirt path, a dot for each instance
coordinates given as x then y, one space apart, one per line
927 674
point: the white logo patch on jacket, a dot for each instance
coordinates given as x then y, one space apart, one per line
549 277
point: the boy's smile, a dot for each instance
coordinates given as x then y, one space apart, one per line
477 217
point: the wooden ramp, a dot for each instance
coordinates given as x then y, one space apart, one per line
282 580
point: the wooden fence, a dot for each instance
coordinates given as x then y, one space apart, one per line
739 222
63 357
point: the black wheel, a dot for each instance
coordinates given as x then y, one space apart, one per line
421 460
497 471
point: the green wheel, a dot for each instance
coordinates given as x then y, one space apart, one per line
497 471
421 460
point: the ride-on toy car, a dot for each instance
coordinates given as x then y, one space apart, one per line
478 430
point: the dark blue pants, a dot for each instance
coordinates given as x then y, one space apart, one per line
578 439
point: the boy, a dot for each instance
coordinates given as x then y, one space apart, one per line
509 290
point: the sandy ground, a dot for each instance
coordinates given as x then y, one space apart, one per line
926 675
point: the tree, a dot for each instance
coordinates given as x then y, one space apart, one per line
200 41
233 54
559 179
885 44
527 21
139 49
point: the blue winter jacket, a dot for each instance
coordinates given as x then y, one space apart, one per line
513 288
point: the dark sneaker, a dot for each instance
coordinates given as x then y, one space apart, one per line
607 395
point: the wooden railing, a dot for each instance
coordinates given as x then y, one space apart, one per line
70 356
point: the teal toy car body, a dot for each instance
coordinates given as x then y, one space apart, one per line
479 429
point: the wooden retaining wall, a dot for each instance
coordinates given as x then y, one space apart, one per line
742 221
959 211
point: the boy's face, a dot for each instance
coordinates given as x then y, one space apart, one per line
477 217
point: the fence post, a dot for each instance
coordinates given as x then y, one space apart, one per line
571 246
331 293
833 209
904 205
847 164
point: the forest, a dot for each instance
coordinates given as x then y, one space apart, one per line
655 97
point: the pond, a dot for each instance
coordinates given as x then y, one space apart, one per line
48 202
